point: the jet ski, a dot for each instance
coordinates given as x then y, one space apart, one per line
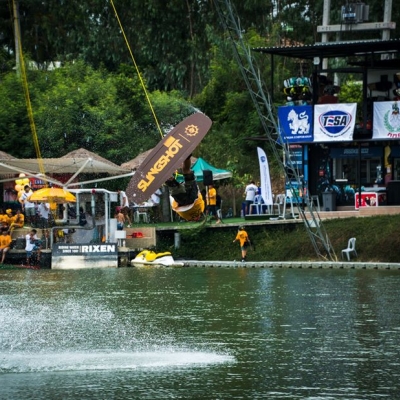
150 258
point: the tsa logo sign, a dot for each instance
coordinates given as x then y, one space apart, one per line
334 122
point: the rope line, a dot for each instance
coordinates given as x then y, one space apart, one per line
26 93
137 70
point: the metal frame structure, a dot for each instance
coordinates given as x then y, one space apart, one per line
265 110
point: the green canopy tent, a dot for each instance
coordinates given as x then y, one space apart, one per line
200 165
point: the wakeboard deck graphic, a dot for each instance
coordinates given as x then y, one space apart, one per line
167 157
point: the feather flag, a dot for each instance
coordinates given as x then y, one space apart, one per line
265 179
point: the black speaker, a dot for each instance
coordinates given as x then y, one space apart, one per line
207 177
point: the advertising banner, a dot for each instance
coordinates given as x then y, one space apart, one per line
386 120
296 123
265 179
370 199
334 122
86 255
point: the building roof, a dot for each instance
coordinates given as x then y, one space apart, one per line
335 49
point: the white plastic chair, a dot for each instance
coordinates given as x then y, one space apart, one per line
138 214
219 211
257 204
351 248
279 201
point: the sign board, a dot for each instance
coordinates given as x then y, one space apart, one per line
386 120
296 123
370 199
334 122
86 255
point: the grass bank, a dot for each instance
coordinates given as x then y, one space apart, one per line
378 240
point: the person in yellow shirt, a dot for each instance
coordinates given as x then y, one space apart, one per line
243 238
5 242
8 217
212 203
188 202
17 221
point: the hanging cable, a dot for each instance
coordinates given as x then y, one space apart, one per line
24 80
137 70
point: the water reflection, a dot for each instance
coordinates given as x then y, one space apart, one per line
199 333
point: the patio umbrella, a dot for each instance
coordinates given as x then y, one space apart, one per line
55 195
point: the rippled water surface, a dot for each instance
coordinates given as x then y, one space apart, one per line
199 333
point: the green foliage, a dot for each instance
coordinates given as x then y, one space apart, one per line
351 92
14 122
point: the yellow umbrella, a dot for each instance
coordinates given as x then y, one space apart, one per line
55 195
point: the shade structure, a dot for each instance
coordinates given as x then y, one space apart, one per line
54 195
80 160
200 165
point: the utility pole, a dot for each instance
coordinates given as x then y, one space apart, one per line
17 36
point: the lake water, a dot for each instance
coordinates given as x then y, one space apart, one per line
199 333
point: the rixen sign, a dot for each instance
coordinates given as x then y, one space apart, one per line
173 147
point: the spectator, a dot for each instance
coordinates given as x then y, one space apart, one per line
124 204
44 211
32 248
5 242
212 203
28 207
17 221
250 193
7 219
120 219
329 96
82 217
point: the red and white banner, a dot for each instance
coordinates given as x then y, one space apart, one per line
334 122
386 120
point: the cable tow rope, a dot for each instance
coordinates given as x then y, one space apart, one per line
26 93
137 70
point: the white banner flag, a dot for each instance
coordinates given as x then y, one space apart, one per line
265 179
386 120
334 122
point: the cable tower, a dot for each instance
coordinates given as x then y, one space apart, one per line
262 101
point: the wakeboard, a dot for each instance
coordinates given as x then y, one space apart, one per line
167 157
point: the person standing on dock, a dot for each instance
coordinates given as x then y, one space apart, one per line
243 238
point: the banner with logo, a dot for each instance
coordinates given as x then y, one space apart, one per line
265 179
386 120
334 122
167 157
296 123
